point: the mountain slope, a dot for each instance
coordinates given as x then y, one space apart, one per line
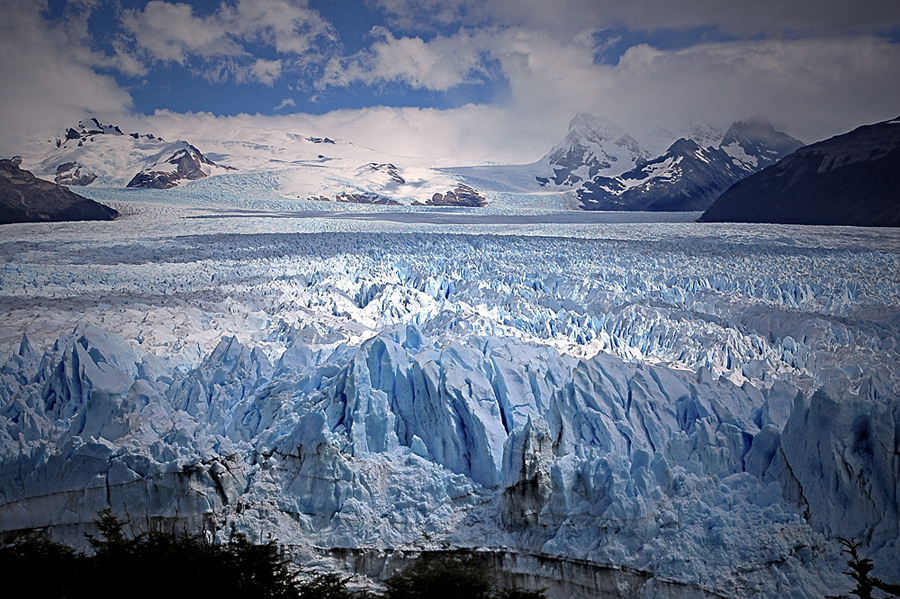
288 164
688 177
850 179
592 147
25 198
187 163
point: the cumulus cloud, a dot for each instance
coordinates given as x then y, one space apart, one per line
171 32
811 87
47 75
440 64
761 16
535 59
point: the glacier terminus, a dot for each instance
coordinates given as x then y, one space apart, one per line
607 408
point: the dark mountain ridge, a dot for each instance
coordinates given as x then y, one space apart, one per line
25 198
850 179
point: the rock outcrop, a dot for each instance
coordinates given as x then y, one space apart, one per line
187 163
25 198
463 195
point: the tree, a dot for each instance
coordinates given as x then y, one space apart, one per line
174 566
454 576
860 571
47 567
441 577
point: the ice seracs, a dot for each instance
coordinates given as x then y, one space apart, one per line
702 412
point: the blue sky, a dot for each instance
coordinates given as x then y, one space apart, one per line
497 78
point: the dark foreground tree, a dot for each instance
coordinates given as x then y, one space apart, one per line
153 565
44 567
455 576
860 571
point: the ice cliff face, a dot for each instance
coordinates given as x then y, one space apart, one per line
707 415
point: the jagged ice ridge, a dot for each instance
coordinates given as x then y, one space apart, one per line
710 406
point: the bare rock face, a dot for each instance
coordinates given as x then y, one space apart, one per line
357 198
186 164
24 198
463 195
70 173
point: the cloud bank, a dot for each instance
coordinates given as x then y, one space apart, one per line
814 69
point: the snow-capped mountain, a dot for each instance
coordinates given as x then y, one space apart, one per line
592 147
755 144
685 178
187 163
850 179
689 177
93 153
295 166
704 134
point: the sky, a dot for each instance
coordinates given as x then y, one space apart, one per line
462 80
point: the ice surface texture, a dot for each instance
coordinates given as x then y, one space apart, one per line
707 404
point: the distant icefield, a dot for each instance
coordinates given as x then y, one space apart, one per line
694 410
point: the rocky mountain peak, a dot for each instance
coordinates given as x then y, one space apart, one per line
757 139
593 146
185 163
25 198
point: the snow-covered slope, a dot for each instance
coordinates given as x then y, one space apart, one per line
593 146
688 176
185 164
704 407
598 166
298 166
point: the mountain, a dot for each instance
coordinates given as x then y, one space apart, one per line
260 162
185 164
93 153
755 144
688 177
593 146
25 198
850 179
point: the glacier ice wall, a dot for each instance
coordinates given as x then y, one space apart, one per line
704 405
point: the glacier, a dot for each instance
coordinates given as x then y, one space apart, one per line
640 408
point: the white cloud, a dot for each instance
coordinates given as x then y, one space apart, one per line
571 16
266 71
813 88
284 104
172 32
47 78
439 64
291 27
